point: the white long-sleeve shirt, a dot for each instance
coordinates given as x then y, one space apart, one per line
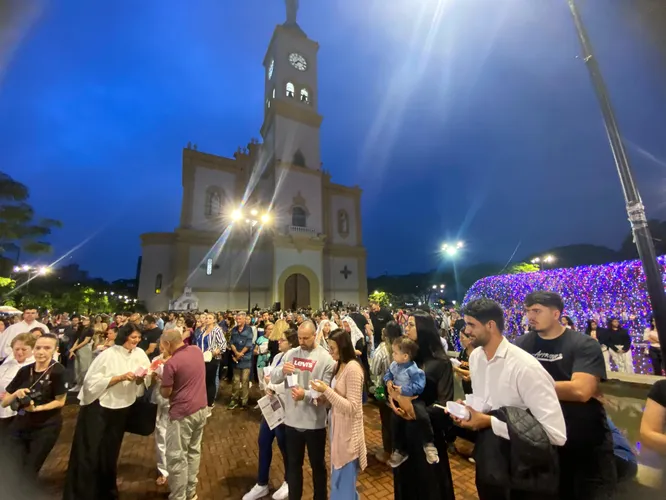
513 377
12 331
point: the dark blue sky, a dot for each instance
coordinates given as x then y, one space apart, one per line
466 119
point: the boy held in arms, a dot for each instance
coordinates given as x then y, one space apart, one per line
409 379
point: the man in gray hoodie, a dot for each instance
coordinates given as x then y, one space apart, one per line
305 420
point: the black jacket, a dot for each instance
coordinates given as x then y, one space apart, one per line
526 462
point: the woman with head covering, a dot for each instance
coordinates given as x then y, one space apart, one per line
112 384
325 328
360 347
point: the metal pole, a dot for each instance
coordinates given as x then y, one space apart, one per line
249 273
635 208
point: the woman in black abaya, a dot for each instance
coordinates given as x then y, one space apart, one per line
415 478
111 385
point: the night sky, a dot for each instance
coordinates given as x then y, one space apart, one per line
470 119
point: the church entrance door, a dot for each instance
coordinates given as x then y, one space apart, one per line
296 292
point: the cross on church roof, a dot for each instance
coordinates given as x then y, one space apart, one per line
345 272
292 10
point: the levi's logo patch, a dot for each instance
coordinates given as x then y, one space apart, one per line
305 364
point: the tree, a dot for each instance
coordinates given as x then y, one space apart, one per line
382 298
19 231
523 267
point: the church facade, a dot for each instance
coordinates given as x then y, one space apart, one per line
268 225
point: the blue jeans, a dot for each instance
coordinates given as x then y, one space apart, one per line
266 436
343 482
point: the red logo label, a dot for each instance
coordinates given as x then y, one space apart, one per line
305 364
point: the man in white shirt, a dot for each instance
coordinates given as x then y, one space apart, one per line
503 375
29 322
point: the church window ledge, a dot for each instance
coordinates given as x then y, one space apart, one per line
301 230
158 284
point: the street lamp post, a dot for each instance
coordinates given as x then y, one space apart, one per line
451 250
635 208
252 220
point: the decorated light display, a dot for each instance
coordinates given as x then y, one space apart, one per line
614 290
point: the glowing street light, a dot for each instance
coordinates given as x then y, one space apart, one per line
541 261
44 270
253 219
452 248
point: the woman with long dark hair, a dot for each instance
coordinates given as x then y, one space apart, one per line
619 344
654 351
415 478
347 436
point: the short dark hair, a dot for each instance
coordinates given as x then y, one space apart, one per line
551 300
150 320
292 337
485 310
407 346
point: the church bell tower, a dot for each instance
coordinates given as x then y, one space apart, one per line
291 123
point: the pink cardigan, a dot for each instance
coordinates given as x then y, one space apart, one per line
347 415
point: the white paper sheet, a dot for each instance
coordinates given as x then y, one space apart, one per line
272 410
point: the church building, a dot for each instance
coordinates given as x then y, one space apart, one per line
267 226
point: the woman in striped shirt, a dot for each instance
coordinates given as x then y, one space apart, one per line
210 339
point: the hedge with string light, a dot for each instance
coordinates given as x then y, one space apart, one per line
590 292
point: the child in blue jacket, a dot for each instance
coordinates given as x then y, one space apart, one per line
409 379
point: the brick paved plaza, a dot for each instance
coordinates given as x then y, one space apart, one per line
229 461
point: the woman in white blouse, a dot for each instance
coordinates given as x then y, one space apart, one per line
22 346
113 382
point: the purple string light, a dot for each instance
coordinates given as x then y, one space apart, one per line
615 290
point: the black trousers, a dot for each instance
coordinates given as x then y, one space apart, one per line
93 461
315 441
385 413
211 379
495 493
588 472
228 362
657 360
418 431
33 444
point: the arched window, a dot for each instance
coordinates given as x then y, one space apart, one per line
305 96
158 284
298 217
290 89
209 267
273 92
299 159
343 223
213 207
268 103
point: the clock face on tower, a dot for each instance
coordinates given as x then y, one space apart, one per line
298 61
271 68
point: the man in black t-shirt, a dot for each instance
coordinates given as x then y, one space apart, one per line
575 361
379 316
150 337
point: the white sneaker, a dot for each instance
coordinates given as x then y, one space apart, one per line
282 493
256 492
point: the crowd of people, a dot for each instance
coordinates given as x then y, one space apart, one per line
533 407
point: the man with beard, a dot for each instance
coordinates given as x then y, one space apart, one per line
576 363
379 317
504 375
